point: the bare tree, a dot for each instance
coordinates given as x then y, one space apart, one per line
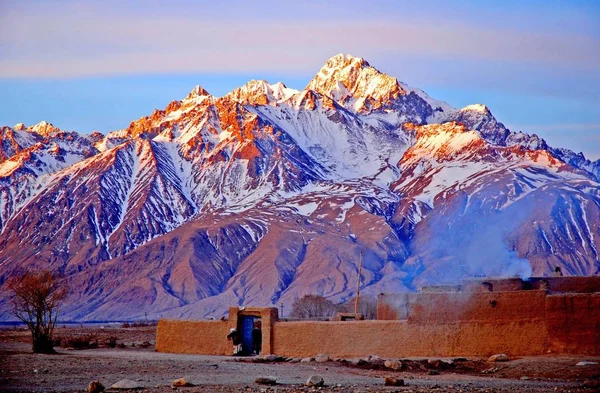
367 306
36 299
313 306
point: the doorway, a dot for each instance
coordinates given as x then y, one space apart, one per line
250 327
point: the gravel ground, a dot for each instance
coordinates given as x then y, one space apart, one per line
72 370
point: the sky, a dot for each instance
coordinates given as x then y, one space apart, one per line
98 65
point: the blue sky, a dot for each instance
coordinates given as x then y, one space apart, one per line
97 65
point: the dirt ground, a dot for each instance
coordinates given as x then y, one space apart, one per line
133 357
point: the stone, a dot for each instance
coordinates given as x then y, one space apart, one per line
584 363
322 358
315 380
393 364
272 358
435 363
500 357
358 362
391 381
433 372
456 360
306 360
295 360
266 381
375 360
181 383
524 378
95 387
126 384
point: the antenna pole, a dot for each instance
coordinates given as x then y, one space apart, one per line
358 286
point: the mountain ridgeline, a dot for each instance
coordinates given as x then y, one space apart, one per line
269 193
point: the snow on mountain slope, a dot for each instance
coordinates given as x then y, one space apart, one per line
268 193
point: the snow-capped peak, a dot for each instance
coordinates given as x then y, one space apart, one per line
197 92
19 127
260 92
354 83
43 128
481 108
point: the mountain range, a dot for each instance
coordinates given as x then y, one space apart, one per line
269 193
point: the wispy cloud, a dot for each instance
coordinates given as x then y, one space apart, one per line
87 39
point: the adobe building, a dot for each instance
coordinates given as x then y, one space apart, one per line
479 317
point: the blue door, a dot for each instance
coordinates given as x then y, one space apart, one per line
247 324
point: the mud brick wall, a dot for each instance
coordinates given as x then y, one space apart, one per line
568 284
462 306
402 339
394 306
197 337
483 306
573 322
498 284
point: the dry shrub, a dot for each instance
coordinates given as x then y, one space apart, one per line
87 341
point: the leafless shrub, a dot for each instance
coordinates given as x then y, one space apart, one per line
367 306
87 341
37 296
111 341
313 306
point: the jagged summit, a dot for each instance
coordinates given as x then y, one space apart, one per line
43 128
197 92
481 108
260 92
355 84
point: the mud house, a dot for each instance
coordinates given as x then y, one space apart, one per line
479 317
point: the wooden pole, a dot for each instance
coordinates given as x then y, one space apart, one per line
358 286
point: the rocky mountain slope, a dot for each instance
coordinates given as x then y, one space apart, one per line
268 193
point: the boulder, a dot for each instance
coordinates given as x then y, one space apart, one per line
266 381
126 384
322 358
358 362
391 381
307 360
271 358
500 357
375 360
181 383
584 363
393 364
315 380
95 387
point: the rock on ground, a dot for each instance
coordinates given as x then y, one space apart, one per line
315 380
391 381
586 363
499 358
322 358
181 383
95 387
266 381
393 364
126 384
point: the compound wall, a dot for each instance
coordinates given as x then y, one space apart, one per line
517 323
402 339
199 337
573 322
